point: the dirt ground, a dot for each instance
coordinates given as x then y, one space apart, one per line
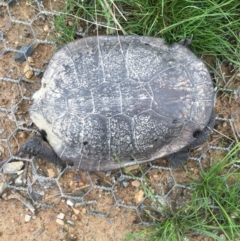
44 227
116 198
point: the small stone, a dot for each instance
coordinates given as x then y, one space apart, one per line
81 184
31 229
76 211
30 60
22 135
1 150
70 222
51 173
70 202
19 180
237 93
4 196
59 221
13 167
28 72
74 217
223 237
79 29
72 236
24 51
20 172
46 28
70 23
135 183
125 183
27 218
3 185
61 216
84 211
139 196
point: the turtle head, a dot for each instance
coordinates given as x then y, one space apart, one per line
36 146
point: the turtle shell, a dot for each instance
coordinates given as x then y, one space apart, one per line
107 101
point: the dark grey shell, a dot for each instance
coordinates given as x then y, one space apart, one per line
107 100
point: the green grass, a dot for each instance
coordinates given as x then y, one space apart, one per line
213 24
213 210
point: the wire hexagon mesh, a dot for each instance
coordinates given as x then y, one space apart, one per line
26 46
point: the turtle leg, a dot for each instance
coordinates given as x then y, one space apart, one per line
185 41
179 158
36 146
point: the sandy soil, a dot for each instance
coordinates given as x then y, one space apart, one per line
113 194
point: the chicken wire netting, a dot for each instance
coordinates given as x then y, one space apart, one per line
26 46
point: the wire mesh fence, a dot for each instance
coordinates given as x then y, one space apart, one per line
26 46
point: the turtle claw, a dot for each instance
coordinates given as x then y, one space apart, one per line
186 41
36 146
178 159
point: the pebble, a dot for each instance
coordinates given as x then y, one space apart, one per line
79 29
46 28
25 49
72 236
74 217
27 218
5 196
139 196
30 60
84 211
61 216
20 172
31 229
59 221
223 237
51 173
13 167
70 202
70 23
237 93
19 180
29 73
76 211
70 222
3 185
1 150
135 183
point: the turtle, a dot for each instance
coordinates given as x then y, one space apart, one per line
108 102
